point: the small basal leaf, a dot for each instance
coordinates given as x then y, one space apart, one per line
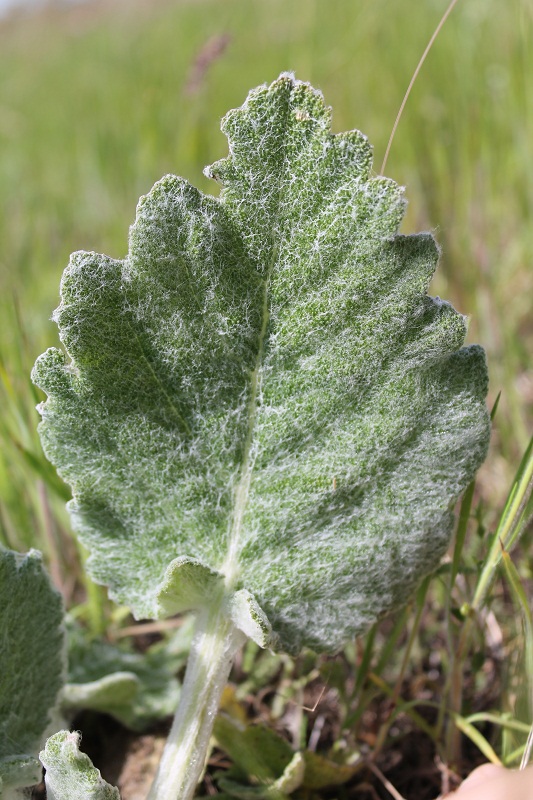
137 689
260 756
261 398
256 751
321 772
70 774
31 664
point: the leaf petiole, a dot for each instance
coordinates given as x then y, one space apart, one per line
215 644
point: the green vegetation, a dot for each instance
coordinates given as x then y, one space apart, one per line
32 656
97 103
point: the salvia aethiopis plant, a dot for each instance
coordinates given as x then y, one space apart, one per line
261 413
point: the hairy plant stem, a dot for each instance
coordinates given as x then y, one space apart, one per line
215 643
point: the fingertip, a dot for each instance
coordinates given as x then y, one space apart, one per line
485 772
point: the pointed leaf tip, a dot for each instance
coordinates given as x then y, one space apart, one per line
70 774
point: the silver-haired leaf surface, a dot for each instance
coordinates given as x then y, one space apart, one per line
31 664
262 392
70 774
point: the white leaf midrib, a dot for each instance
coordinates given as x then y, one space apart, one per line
230 567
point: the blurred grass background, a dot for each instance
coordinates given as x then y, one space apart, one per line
98 100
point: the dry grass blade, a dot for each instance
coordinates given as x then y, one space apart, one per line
386 783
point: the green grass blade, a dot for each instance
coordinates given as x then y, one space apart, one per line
517 511
477 738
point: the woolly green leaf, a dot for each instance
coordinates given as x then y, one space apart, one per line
18 773
70 774
261 397
31 664
260 756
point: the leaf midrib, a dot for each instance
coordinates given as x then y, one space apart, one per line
230 567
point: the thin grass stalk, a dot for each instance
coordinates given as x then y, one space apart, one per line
460 537
385 727
511 525
366 660
521 600
96 598
362 695
392 639
412 82
527 751
406 707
